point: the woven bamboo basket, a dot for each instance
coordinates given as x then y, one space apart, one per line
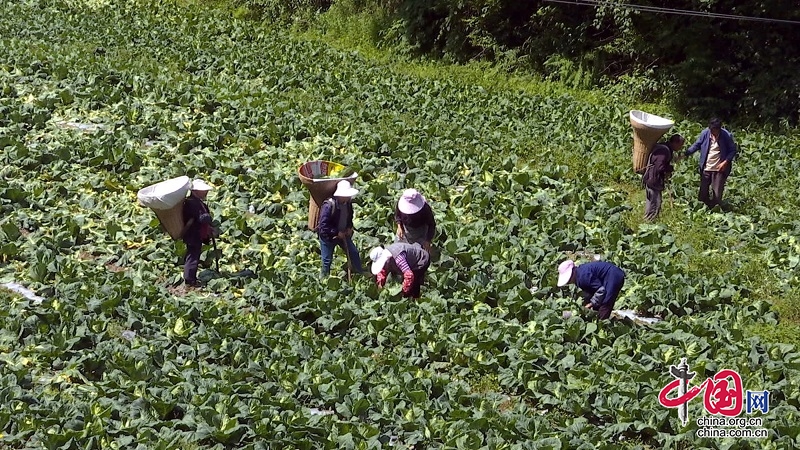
166 200
321 189
647 130
172 220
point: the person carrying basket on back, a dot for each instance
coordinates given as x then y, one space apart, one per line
657 173
335 228
197 230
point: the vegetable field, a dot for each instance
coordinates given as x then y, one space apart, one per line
101 98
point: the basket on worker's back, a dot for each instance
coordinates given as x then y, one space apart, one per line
321 178
166 200
647 130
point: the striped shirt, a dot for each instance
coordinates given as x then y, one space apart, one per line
401 262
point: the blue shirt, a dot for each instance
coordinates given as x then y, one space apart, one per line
329 219
727 148
600 281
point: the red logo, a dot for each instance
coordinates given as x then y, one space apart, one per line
723 394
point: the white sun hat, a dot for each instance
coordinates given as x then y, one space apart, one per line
411 202
565 272
344 189
200 185
379 256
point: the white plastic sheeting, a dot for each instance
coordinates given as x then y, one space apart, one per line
25 292
631 314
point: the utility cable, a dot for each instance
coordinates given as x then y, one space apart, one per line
679 12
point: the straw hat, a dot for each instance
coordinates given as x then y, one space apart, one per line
344 189
411 202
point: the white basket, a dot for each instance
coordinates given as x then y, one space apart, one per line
166 194
166 200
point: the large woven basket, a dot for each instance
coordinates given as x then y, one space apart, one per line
647 130
166 200
321 189
172 220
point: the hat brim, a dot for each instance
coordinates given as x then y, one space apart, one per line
380 263
407 207
563 278
350 192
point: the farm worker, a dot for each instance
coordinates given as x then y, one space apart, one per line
717 151
197 230
414 218
600 281
336 227
659 169
410 261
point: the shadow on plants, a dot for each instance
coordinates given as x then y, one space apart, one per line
237 278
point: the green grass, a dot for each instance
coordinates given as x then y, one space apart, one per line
347 28
709 259
787 305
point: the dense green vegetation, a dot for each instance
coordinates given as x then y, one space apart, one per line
519 179
742 70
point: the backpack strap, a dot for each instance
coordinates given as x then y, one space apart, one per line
650 157
332 202
648 166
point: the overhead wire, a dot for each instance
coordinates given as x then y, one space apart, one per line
680 12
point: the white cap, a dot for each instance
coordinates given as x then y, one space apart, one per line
565 270
379 256
200 185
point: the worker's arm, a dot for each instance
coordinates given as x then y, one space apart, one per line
408 274
698 143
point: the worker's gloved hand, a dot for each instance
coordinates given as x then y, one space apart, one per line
381 278
408 281
598 298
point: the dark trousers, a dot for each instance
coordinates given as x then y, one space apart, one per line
604 311
653 204
419 278
712 184
191 262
